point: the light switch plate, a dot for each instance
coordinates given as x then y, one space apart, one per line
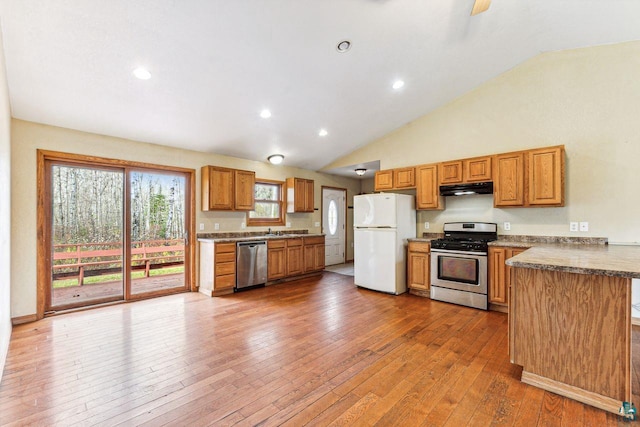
216 226
288 225
573 226
317 224
584 226
201 226
243 225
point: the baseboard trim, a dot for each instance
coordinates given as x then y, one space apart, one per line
24 319
590 398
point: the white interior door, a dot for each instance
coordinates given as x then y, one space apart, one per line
333 224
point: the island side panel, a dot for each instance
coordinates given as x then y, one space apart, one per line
573 329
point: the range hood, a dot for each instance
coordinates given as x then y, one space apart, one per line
464 189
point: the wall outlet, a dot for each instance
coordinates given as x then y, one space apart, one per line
216 226
573 226
584 226
201 226
243 225
506 226
426 225
317 224
288 225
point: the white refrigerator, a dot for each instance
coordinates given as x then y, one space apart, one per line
382 224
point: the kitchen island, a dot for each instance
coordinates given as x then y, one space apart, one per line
570 320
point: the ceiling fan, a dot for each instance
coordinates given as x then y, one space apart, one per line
480 6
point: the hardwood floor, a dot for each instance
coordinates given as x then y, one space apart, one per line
316 351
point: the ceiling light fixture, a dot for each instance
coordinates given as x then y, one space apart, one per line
398 84
265 114
142 73
275 159
343 46
323 132
360 171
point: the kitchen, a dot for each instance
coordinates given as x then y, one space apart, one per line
546 100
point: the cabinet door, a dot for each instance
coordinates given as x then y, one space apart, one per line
497 276
404 178
427 191
244 190
276 263
418 274
308 195
546 177
217 188
319 257
510 252
451 172
509 180
299 201
383 180
478 169
295 257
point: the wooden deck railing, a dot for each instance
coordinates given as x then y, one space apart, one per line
92 259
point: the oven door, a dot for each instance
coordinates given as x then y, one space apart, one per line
464 271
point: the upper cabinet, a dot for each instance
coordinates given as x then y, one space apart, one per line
395 179
530 178
227 189
508 187
451 172
477 169
427 188
300 195
383 180
545 176
404 178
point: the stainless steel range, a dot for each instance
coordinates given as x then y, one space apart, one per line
459 263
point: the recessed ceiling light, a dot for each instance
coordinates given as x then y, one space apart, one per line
275 159
142 73
265 114
323 132
398 84
343 46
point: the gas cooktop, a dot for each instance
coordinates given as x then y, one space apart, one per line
466 236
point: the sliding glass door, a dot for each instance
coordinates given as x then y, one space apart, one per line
113 233
87 233
158 232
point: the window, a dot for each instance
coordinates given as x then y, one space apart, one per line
268 204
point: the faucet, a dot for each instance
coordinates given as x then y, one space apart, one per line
269 231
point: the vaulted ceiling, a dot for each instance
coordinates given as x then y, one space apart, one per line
216 64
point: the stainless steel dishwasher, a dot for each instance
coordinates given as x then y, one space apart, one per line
251 264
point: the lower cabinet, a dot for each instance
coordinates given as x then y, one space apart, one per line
418 268
313 254
294 256
500 276
217 268
276 259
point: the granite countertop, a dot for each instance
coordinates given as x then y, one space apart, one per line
427 237
516 241
605 260
255 238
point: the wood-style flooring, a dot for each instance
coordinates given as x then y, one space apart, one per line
317 351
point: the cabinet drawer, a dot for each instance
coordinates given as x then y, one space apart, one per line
223 268
226 281
225 257
225 247
314 240
294 242
275 244
420 247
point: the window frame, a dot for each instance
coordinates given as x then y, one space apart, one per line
256 222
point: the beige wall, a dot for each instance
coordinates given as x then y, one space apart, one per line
5 213
27 137
587 99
